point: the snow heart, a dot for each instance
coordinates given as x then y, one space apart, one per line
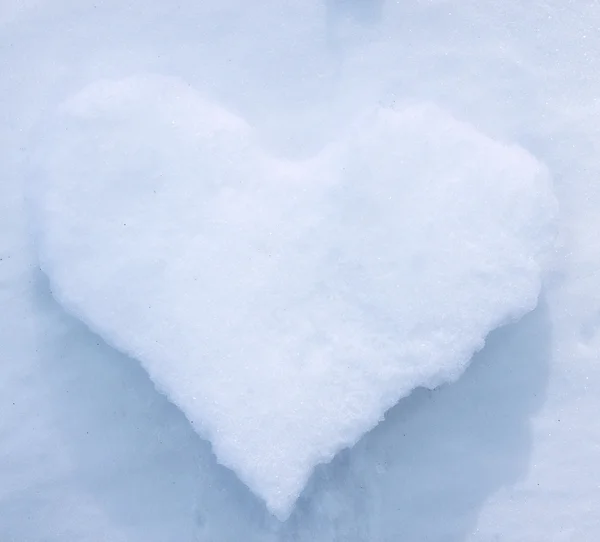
284 305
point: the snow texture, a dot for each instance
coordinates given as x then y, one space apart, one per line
90 450
285 305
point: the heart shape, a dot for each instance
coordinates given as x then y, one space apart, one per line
284 305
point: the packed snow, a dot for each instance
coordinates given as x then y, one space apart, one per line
95 444
285 305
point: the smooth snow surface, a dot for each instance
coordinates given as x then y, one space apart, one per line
285 305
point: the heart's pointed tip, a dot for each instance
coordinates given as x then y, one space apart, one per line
278 482
281 509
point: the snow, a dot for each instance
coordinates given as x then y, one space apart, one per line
90 450
285 305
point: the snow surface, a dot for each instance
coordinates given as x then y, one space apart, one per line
285 305
90 451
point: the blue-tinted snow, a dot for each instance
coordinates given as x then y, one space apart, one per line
285 305
508 452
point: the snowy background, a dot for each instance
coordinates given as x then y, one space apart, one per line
90 450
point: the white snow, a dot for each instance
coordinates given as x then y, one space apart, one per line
90 450
285 305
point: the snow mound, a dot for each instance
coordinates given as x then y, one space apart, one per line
283 305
